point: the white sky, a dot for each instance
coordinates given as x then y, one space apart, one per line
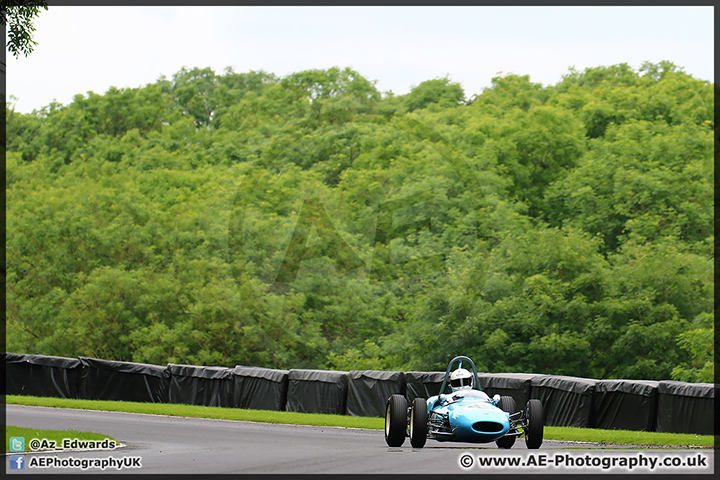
83 48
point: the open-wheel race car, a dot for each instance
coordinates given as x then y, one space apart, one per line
463 413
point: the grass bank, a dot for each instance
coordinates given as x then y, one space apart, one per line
610 437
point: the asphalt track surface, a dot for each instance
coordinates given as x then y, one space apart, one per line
180 445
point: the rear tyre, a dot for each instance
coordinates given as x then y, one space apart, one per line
507 404
535 423
395 420
418 423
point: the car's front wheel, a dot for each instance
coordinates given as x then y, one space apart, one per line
507 404
395 420
418 423
535 423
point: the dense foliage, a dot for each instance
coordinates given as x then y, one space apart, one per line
16 17
311 221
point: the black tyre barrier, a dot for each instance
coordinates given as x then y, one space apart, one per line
625 405
567 401
259 388
422 384
41 375
194 385
665 406
368 391
686 407
317 391
131 382
516 385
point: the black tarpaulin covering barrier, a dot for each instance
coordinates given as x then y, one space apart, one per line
422 384
567 401
131 382
41 375
194 385
259 388
516 385
625 404
686 408
368 391
317 391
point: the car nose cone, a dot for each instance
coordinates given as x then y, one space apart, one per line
478 425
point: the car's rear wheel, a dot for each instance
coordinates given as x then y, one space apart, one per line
535 423
395 420
507 404
418 423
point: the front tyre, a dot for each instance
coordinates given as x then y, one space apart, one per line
395 420
507 404
418 423
535 423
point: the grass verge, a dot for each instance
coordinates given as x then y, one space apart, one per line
54 438
610 437
221 413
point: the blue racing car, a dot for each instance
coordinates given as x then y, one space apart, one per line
463 414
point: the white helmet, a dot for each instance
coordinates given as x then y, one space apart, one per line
461 379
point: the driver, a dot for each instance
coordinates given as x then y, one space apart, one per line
461 379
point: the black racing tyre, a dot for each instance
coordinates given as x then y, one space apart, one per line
418 423
507 403
535 423
395 420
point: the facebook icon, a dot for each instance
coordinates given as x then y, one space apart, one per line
17 462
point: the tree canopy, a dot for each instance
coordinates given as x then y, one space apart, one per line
311 221
17 16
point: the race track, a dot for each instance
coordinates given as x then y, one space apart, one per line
177 445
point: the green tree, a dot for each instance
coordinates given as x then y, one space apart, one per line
194 92
699 342
508 92
333 96
18 15
642 179
440 92
654 292
308 221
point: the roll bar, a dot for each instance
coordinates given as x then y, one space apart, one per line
460 358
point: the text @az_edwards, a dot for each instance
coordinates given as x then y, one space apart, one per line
37 444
